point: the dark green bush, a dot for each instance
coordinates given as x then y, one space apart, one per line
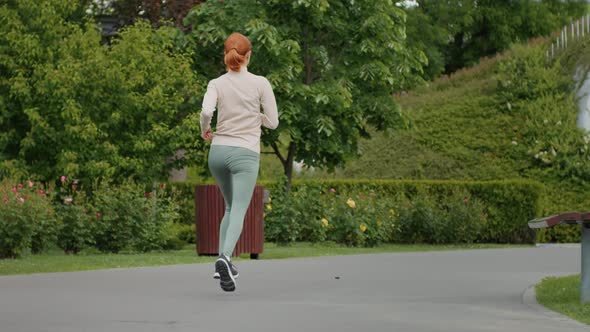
184 194
186 233
560 234
171 236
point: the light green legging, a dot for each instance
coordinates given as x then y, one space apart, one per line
235 170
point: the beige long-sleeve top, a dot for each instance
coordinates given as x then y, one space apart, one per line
245 102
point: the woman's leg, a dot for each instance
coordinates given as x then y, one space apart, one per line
217 165
243 165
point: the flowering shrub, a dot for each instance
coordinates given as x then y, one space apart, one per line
310 214
381 219
75 231
126 217
464 217
347 223
549 141
367 213
418 221
281 224
27 221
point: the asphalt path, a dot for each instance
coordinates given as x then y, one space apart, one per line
470 290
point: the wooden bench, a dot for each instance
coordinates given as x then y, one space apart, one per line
580 218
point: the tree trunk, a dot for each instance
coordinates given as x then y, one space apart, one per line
287 162
308 64
288 166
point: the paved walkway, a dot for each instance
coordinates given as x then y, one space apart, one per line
480 290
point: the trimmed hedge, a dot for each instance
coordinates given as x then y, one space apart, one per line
507 204
510 204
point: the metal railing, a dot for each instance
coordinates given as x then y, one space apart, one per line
571 33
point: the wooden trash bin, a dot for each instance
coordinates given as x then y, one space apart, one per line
210 208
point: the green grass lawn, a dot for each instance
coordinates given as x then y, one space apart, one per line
563 295
56 261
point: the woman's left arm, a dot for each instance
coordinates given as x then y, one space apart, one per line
270 115
209 104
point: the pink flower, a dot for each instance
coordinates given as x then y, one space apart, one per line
63 178
5 200
75 187
20 199
332 190
147 194
20 186
13 189
31 184
68 200
40 192
98 215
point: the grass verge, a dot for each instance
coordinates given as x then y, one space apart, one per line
57 261
562 294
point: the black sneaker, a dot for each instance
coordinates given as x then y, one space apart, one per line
232 267
226 278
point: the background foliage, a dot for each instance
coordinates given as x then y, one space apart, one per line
70 105
456 34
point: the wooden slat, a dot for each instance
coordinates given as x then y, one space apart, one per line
210 210
563 218
571 216
545 222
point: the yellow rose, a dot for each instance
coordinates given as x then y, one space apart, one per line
269 207
325 222
392 212
351 203
363 227
269 199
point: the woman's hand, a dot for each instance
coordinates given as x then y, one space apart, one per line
207 135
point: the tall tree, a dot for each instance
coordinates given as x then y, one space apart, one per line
333 64
457 33
69 105
155 11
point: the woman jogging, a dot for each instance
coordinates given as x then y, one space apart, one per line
245 102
